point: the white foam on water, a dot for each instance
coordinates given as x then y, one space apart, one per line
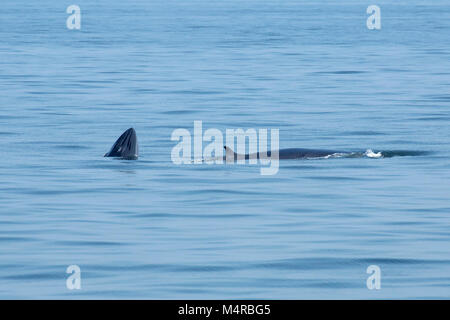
335 155
370 154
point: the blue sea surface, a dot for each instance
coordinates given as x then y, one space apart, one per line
156 230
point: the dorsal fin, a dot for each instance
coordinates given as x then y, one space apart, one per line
229 153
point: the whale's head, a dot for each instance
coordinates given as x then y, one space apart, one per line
126 147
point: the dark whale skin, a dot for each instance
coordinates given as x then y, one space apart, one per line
126 147
292 153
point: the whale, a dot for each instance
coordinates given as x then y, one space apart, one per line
283 154
126 146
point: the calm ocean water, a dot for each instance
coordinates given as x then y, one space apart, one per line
153 229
